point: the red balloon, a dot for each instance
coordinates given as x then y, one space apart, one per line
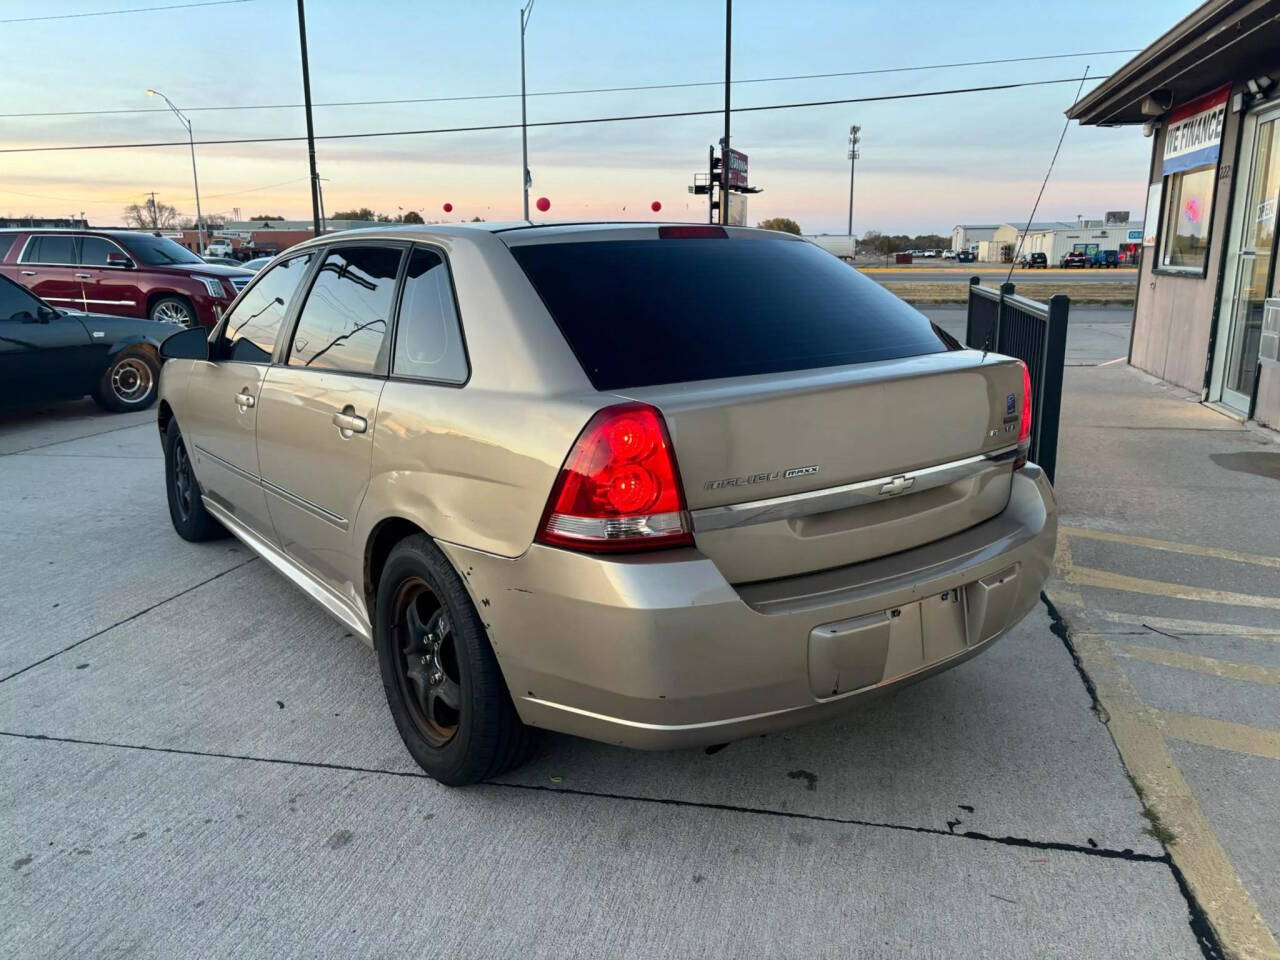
544 204
448 208
655 206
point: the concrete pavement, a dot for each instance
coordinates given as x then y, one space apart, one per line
1168 577
200 763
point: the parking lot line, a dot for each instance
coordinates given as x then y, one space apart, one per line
1192 628
1091 577
1170 546
1209 874
1226 669
1211 732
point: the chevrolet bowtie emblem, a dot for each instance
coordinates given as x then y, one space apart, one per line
896 486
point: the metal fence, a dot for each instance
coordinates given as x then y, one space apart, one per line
1036 333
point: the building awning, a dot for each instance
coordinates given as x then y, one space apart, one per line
1220 42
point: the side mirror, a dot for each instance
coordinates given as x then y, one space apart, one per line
189 344
120 261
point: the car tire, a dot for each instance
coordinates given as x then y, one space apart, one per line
433 649
130 382
187 511
173 310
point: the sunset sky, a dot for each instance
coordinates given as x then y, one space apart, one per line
926 164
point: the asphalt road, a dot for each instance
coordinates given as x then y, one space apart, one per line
993 275
1094 334
198 762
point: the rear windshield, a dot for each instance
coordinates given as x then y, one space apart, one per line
644 312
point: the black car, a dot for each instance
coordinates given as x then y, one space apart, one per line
1039 259
47 354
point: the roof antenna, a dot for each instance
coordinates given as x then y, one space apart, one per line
1022 239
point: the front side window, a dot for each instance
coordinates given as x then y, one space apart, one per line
6 241
344 320
51 249
1188 205
428 338
159 251
94 250
16 304
255 321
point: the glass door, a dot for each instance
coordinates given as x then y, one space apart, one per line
1249 262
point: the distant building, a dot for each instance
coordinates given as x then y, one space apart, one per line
262 237
1056 238
967 236
45 223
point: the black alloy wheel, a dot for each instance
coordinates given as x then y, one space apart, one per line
427 662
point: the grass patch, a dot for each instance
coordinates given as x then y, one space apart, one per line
1155 827
1102 292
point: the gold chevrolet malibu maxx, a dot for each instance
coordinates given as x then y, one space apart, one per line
654 485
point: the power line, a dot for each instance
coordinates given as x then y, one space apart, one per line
553 123
561 93
210 196
111 13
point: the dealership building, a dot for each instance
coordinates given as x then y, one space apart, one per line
1207 94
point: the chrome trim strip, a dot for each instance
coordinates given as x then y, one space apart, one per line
847 495
324 595
304 504
301 502
239 472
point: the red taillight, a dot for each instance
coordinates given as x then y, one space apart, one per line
1024 428
619 488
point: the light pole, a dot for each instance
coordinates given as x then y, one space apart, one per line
195 179
724 144
525 13
854 140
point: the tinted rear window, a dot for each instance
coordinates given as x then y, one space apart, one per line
643 312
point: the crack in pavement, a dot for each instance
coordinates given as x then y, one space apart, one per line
1202 929
1105 853
54 443
133 616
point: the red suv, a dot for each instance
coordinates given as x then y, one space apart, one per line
121 272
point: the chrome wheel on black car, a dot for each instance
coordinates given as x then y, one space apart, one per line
130 380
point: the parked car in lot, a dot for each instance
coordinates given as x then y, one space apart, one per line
657 485
48 354
1037 260
948 254
119 272
256 264
966 256
1105 258
219 247
223 261
1075 258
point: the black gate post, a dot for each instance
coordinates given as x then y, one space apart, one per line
1006 290
1053 360
968 326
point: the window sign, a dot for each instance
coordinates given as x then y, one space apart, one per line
1154 195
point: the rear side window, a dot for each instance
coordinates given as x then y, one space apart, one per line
345 318
6 241
644 312
255 321
428 338
50 249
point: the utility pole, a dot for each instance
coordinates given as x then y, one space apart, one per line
728 75
525 13
854 140
311 133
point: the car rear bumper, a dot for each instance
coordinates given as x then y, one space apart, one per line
659 651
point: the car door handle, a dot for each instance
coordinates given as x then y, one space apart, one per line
245 400
28 273
348 422
84 276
